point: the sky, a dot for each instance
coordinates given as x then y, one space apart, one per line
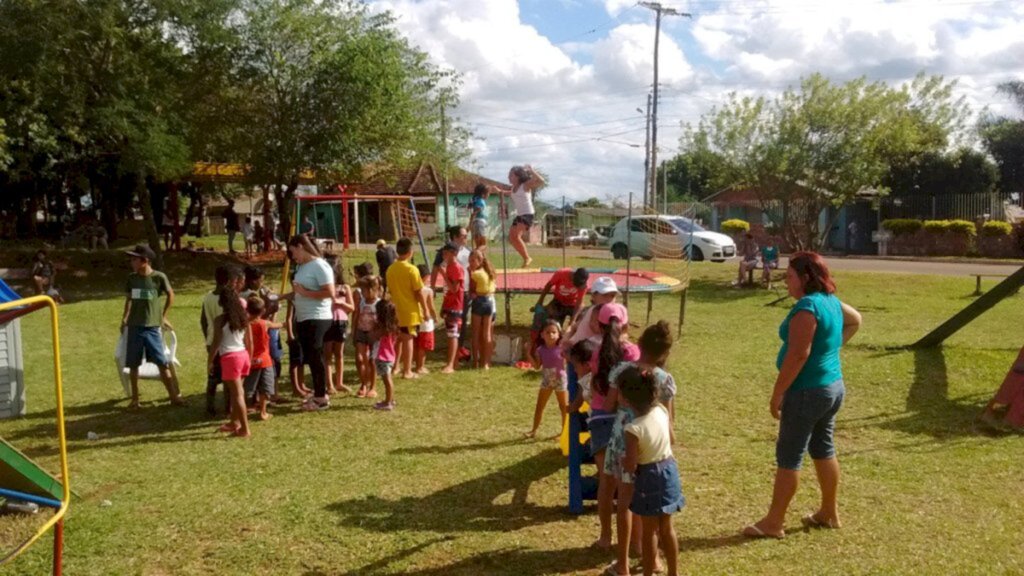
562 84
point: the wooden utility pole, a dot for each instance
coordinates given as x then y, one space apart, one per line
444 166
658 10
647 153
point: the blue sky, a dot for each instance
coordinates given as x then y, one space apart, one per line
557 83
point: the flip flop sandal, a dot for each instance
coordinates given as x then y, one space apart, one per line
809 521
753 531
612 570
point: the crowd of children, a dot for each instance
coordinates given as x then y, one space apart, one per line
630 395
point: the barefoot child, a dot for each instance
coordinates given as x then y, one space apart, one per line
360 271
232 341
553 377
425 336
386 336
334 339
452 305
657 490
481 278
260 381
224 275
404 284
254 286
366 327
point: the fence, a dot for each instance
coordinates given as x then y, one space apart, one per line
983 206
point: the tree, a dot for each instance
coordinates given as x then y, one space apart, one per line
818 147
592 202
326 88
1004 140
963 171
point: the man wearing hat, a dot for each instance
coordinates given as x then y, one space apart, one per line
568 288
143 318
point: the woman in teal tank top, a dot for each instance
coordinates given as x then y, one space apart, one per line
808 392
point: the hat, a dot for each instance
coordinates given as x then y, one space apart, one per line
142 251
604 285
450 247
613 310
381 242
580 277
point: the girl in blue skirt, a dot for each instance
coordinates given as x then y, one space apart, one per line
657 492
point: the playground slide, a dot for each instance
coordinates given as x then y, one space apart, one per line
19 473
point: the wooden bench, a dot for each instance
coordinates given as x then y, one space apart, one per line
977 281
760 266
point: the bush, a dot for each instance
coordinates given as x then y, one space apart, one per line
962 227
936 226
899 226
735 226
996 228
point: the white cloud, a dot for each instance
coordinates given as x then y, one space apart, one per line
570 108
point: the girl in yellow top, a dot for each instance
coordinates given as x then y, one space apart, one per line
481 283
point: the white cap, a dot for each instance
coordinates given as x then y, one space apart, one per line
604 285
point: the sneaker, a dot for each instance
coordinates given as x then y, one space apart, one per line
386 406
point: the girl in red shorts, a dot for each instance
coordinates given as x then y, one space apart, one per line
232 340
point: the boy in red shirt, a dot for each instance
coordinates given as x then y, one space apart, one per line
260 381
451 308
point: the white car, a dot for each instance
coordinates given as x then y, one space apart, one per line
665 236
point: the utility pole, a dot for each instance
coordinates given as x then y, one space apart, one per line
658 10
647 152
664 186
444 165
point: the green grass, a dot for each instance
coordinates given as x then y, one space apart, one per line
445 486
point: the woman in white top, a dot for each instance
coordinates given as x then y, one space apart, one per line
312 297
524 180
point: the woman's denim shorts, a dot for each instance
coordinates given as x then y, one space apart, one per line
807 424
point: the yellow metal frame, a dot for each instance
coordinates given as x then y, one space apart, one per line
65 500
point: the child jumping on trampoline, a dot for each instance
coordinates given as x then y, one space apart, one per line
481 275
553 377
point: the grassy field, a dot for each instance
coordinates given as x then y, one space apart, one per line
446 486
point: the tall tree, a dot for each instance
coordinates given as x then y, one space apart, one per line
820 146
1004 140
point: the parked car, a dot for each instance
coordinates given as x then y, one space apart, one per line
587 237
661 235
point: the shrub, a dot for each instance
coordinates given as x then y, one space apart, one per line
735 226
936 226
899 226
962 227
996 228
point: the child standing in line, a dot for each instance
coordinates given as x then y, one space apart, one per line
386 336
481 278
224 276
232 340
425 336
611 319
259 384
405 286
254 286
657 491
296 363
655 345
366 326
549 359
334 339
452 305
360 271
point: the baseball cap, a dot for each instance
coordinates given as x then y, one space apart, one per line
604 285
381 242
580 277
613 310
142 251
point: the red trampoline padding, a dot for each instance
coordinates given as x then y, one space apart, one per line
533 281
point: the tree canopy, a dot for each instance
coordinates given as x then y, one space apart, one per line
1004 140
821 145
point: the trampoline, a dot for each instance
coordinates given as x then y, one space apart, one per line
533 280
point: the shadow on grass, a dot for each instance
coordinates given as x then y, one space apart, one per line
726 540
510 561
930 410
718 292
467 507
433 449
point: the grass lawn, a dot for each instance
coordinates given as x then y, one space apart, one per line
446 486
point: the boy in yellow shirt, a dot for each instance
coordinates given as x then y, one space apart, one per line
406 288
